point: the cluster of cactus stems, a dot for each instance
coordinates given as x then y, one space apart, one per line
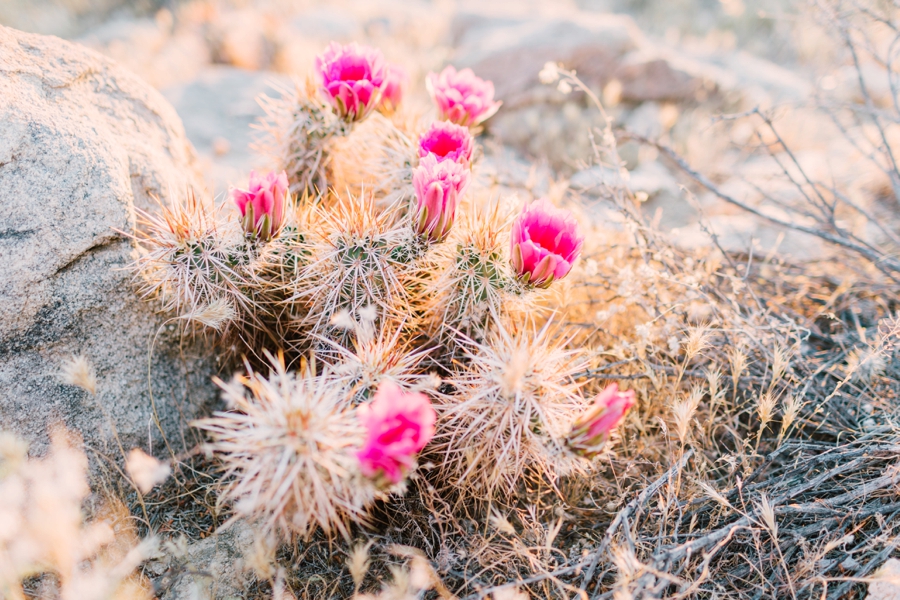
387 301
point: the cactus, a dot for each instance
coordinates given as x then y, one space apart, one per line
299 130
508 419
471 282
359 257
288 444
389 285
193 262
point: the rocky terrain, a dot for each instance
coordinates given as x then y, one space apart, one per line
83 144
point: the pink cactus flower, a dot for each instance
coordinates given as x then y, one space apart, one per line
263 205
439 187
447 141
399 425
394 87
352 79
461 97
592 429
545 243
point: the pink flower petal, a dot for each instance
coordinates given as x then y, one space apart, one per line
542 230
461 97
352 78
266 198
439 187
398 425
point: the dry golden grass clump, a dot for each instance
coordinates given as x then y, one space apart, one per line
44 537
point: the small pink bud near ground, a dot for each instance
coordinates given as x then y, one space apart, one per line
399 425
461 97
593 428
263 204
447 141
544 243
352 79
394 88
439 187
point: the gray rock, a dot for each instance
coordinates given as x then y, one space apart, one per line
510 175
606 51
603 48
645 120
654 78
553 133
593 180
599 47
511 54
651 178
214 568
82 144
748 79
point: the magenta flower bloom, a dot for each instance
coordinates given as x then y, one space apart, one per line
545 243
399 425
461 97
592 429
447 141
439 187
352 79
394 86
263 205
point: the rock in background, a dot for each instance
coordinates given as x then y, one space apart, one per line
82 144
219 108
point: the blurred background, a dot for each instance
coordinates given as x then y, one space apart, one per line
663 68
761 26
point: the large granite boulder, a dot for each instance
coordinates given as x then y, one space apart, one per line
82 144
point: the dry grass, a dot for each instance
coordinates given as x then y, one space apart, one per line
43 530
